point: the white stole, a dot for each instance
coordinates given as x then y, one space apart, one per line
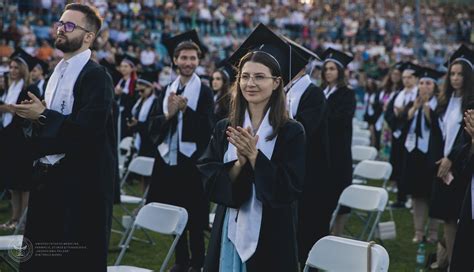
450 123
328 92
191 92
11 97
244 233
423 141
402 100
142 115
59 94
293 96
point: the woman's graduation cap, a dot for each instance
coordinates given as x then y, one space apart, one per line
229 70
41 64
264 40
428 73
128 59
464 54
398 66
24 57
172 43
340 58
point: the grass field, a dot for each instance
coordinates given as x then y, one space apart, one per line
402 251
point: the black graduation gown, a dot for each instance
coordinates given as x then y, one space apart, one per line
314 213
42 90
278 183
181 185
15 173
446 200
417 170
127 101
396 152
221 107
464 243
372 119
147 148
341 108
73 203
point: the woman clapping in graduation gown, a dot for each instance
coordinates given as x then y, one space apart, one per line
417 171
253 169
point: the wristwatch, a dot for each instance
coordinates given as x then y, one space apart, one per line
42 119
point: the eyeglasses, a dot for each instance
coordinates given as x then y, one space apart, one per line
257 79
70 26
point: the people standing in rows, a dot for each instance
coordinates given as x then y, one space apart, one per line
373 110
306 104
180 127
125 93
447 144
396 121
74 148
16 177
221 81
417 171
464 242
341 102
391 87
254 166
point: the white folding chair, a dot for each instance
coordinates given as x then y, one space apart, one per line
372 170
339 254
363 199
161 218
142 166
363 133
364 141
11 243
356 123
360 153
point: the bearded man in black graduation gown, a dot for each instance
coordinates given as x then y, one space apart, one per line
74 149
180 127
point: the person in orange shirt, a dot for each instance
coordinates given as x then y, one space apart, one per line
45 52
5 49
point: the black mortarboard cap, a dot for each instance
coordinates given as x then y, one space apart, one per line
127 58
43 65
409 66
174 41
302 51
229 70
398 66
263 39
24 57
340 58
425 72
463 53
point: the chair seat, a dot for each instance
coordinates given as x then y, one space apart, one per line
128 199
126 268
8 242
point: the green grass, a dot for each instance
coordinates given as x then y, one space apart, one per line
402 251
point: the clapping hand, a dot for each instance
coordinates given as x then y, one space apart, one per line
30 109
245 143
469 123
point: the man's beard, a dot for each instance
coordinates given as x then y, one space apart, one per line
69 45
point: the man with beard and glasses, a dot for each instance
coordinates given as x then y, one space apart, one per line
180 127
72 148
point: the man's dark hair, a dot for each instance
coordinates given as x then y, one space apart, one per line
187 45
92 17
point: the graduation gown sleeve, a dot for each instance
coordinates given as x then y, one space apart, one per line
215 173
64 133
311 110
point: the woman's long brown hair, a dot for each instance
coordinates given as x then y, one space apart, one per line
278 113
